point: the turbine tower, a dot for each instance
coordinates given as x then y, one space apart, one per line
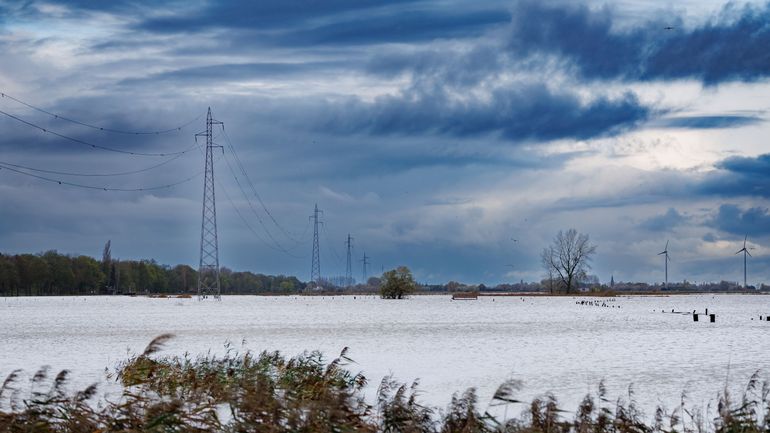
315 268
208 266
665 260
745 252
349 266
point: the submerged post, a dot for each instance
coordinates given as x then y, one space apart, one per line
694 317
713 317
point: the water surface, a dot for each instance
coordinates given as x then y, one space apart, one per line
551 344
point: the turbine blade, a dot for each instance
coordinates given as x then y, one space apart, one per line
747 252
666 249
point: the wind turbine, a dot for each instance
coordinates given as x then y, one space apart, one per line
745 252
665 261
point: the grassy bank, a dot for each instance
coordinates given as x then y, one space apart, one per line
266 392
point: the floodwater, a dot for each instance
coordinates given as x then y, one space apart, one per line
550 344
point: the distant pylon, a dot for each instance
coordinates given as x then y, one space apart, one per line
365 262
315 269
208 267
349 267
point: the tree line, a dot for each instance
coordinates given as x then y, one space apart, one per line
54 274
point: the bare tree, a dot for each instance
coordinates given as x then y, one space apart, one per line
107 266
567 259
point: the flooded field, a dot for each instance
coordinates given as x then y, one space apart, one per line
551 344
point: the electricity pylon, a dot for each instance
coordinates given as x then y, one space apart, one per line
365 262
349 266
208 267
315 268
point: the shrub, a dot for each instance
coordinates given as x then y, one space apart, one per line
397 283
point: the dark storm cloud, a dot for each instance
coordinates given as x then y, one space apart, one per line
341 22
733 219
577 33
261 14
664 222
235 71
745 165
729 47
710 122
738 176
733 178
398 27
525 113
456 67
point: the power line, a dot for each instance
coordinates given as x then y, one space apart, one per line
331 244
65 173
103 188
91 145
245 221
254 190
254 210
243 218
100 128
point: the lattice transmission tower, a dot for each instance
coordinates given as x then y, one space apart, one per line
315 268
208 267
365 262
349 266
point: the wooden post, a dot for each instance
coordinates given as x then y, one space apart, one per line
694 317
713 317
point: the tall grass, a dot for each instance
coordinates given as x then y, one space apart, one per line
266 392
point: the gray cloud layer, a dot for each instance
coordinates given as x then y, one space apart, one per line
385 112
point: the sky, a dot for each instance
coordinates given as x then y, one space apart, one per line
454 137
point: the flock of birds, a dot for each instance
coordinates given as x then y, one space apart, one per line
604 303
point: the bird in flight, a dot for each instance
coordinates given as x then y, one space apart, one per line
669 28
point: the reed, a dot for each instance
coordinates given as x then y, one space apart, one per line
267 392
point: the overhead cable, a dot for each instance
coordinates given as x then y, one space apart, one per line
254 211
103 188
101 128
66 173
254 190
249 226
91 145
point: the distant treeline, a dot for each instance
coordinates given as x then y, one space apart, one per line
52 273
592 284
